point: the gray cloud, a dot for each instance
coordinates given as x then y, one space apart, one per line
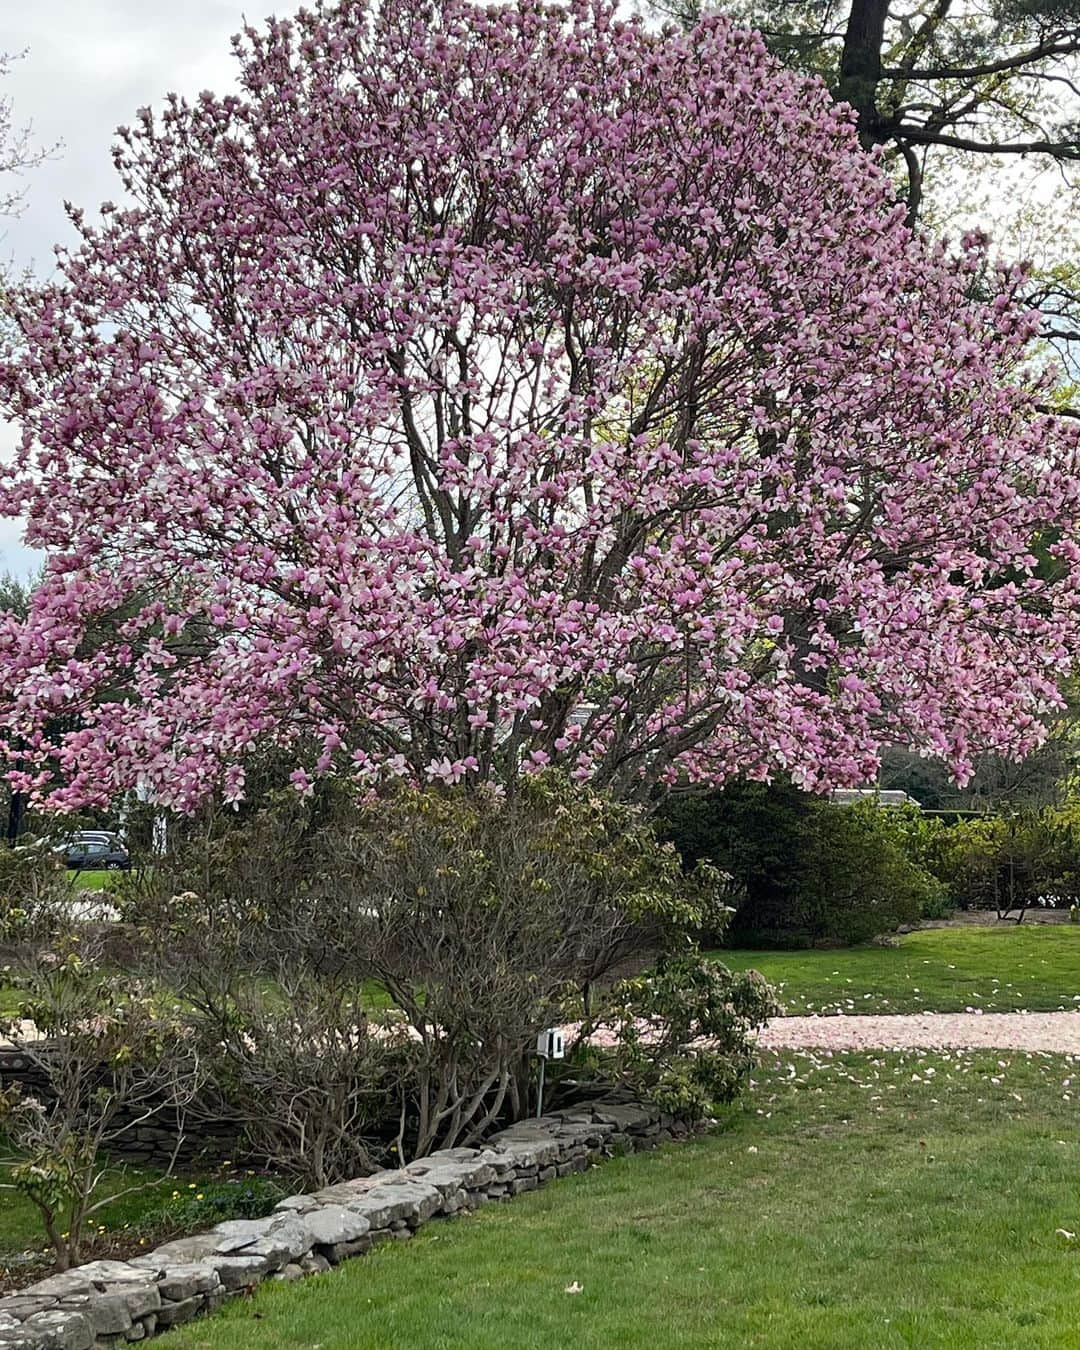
90 64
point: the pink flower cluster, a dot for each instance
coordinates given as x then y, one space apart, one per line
485 388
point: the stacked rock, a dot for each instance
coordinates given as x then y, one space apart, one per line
112 1303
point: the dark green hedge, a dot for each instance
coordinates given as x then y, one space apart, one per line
809 871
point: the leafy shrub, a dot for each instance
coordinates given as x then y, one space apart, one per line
1013 862
809 871
195 1210
682 1035
937 903
107 1059
283 1025
384 967
35 897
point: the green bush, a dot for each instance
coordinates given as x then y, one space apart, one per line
366 980
938 902
681 1035
810 871
103 1053
35 896
1011 863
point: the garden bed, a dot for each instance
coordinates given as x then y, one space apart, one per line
164 1207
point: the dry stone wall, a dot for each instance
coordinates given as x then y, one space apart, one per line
159 1137
115 1303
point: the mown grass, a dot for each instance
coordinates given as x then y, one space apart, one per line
94 880
861 1201
1034 967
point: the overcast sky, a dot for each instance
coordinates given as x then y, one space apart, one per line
89 65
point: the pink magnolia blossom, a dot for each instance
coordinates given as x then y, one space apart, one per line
486 388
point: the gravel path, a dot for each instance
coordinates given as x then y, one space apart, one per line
1052 1032
1056 1032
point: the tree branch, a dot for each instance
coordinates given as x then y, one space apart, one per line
921 136
1021 59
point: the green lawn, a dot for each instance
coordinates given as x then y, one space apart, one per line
93 880
1033 967
862 1201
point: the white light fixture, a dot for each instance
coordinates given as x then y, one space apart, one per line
550 1044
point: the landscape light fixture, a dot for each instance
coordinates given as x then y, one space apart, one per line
550 1044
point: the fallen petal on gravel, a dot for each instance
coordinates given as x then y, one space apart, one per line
1055 1032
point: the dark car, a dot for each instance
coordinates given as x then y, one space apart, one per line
94 850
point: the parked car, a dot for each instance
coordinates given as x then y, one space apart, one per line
94 850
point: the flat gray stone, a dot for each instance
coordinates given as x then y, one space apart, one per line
141 1299
280 1237
107 1273
348 1192
235 1270
344 1251
248 1228
528 1148
331 1224
296 1204
594 1129
59 1286
628 1118
450 1176
113 1311
281 1242
172 1314
56 1330
274 1252
185 1251
20 1307
108 1314
178 1283
241 1272
411 1199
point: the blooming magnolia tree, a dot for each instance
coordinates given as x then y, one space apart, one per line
487 387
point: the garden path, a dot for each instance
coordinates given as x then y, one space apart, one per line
1052 1032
